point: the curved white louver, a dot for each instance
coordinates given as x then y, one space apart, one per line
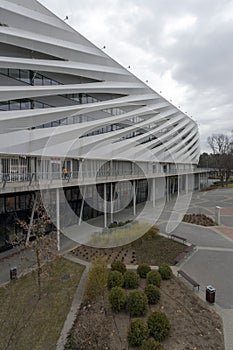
56 85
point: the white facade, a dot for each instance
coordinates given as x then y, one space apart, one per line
65 102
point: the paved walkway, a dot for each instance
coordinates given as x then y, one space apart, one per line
210 264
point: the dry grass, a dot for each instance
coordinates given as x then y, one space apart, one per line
119 236
157 250
28 323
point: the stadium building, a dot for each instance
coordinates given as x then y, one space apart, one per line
81 128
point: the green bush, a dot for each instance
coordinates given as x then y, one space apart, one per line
154 277
118 266
165 272
131 279
158 325
115 279
143 269
137 332
152 233
96 283
136 303
151 344
153 294
117 298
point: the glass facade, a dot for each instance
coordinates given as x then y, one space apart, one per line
19 206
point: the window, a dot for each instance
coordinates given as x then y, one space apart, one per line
25 76
14 73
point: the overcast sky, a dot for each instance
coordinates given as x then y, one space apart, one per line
184 48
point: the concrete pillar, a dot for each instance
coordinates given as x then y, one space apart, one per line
178 185
58 218
134 198
167 190
82 205
105 205
111 204
186 183
153 192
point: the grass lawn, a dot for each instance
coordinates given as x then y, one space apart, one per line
28 323
157 250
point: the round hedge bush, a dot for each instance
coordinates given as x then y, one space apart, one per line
143 269
115 279
117 299
137 332
154 277
118 266
151 344
136 303
131 279
158 325
153 294
165 272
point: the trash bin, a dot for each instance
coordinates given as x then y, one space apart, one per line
210 294
13 273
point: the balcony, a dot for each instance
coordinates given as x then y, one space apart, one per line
14 182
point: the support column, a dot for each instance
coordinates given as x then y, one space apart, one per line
82 205
134 198
178 185
58 218
111 204
186 184
105 205
31 219
167 189
153 192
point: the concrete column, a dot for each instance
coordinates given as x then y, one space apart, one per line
82 205
186 183
58 218
31 219
178 185
111 198
153 192
105 205
167 189
134 198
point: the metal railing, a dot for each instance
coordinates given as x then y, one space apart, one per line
81 176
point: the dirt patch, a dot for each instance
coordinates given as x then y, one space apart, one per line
194 325
199 219
154 251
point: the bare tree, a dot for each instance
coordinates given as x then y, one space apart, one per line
41 241
222 147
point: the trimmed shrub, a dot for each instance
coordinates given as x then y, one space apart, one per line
131 279
154 277
143 269
136 303
153 294
158 325
117 299
115 279
165 272
151 344
96 283
118 266
137 332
